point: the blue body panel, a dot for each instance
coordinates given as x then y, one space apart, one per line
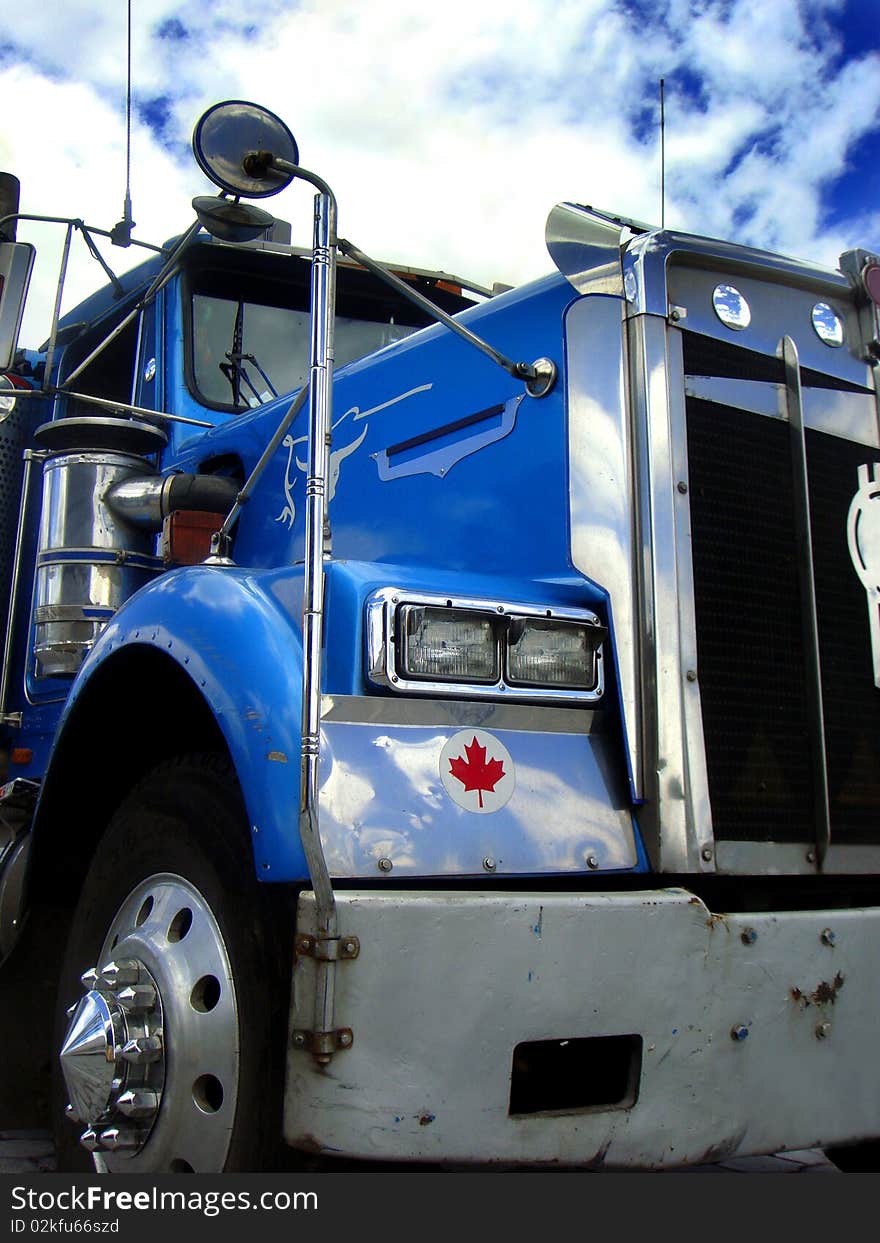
237 636
444 477
499 510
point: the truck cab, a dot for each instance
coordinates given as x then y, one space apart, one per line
451 740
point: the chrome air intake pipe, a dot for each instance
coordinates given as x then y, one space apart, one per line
145 501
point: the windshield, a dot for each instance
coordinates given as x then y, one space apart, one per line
245 353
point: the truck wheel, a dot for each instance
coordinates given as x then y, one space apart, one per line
172 1046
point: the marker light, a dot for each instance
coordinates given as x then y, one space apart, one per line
871 281
731 307
827 324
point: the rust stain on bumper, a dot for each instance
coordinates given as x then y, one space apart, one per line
825 993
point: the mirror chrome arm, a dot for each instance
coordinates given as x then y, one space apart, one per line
106 403
539 377
162 278
56 311
302 174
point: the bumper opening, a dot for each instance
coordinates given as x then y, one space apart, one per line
600 1072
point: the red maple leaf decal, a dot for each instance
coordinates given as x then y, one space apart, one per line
474 773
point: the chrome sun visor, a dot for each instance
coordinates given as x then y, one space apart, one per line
585 246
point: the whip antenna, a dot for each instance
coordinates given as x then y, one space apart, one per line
120 234
662 157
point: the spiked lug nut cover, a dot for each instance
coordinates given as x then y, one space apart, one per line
112 1057
87 1055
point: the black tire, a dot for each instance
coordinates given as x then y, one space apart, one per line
186 821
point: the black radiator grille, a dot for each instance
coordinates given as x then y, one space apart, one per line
851 700
749 637
750 641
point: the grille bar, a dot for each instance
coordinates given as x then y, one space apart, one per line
809 621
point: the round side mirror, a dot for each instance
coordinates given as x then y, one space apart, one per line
235 142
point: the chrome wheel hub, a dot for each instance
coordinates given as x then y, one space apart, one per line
112 1056
150 1057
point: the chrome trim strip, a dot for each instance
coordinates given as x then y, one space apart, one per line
794 859
849 416
764 858
460 714
440 461
843 860
675 820
381 669
801 498
646 258
698 807
757 396
602 514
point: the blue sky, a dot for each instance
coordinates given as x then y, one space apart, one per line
448 132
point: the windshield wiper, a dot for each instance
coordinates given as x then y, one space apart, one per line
235 372
234 369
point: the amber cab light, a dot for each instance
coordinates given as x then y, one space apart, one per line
871 281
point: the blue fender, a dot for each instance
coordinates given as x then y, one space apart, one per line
237 635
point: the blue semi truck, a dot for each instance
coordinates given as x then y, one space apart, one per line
447 718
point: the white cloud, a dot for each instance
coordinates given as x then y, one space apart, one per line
447 133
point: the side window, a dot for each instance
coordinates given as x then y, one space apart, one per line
111 375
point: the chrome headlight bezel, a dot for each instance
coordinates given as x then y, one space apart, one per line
385 667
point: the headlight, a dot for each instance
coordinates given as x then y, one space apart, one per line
448 644
551 653
482 648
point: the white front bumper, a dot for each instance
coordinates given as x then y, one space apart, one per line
447 984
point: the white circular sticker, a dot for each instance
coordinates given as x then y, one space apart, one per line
477 771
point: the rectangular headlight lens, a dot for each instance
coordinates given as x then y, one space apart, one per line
448 644
552 653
